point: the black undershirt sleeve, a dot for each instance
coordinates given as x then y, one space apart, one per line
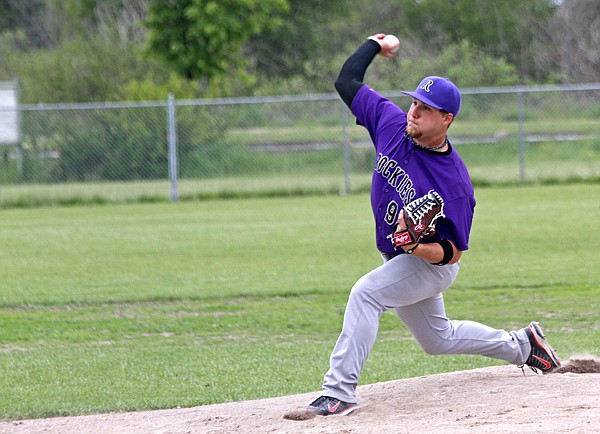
351 76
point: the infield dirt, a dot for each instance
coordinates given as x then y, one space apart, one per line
498 399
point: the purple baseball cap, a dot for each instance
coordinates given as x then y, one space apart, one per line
439 93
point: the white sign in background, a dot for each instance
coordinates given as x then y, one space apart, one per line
9 117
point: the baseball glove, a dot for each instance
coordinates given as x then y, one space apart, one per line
420 217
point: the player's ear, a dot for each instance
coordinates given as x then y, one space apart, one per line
447 118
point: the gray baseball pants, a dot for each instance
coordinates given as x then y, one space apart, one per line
413 288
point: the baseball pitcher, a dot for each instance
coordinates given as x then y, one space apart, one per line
423 203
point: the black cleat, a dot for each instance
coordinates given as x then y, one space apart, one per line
325 405
542 356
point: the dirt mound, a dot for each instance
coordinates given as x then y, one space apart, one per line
586 365
500 399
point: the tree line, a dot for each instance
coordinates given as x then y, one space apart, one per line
107 50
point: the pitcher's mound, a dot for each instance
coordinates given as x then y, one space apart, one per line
498 399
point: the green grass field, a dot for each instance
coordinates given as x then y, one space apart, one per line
159 305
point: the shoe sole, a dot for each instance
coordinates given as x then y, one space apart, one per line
347 411
540 340
344 412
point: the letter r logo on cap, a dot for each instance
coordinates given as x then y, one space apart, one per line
425 86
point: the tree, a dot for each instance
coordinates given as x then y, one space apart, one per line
16 15
575 48
48 23
288 50
92 49
501 28
204 38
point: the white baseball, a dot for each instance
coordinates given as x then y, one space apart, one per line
392 42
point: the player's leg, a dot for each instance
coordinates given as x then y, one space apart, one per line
437 334
404 280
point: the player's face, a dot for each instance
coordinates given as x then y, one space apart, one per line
425 121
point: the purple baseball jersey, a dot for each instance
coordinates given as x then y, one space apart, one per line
404 172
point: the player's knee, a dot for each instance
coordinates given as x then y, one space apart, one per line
363 290
432 348
434 343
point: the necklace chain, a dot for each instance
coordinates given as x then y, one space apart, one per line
425 147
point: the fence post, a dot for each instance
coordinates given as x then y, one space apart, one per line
346 148
20 157
521 136
172 140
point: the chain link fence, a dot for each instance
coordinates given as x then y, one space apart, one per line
195 149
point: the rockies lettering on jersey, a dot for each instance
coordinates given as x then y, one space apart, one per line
402 173
396 177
